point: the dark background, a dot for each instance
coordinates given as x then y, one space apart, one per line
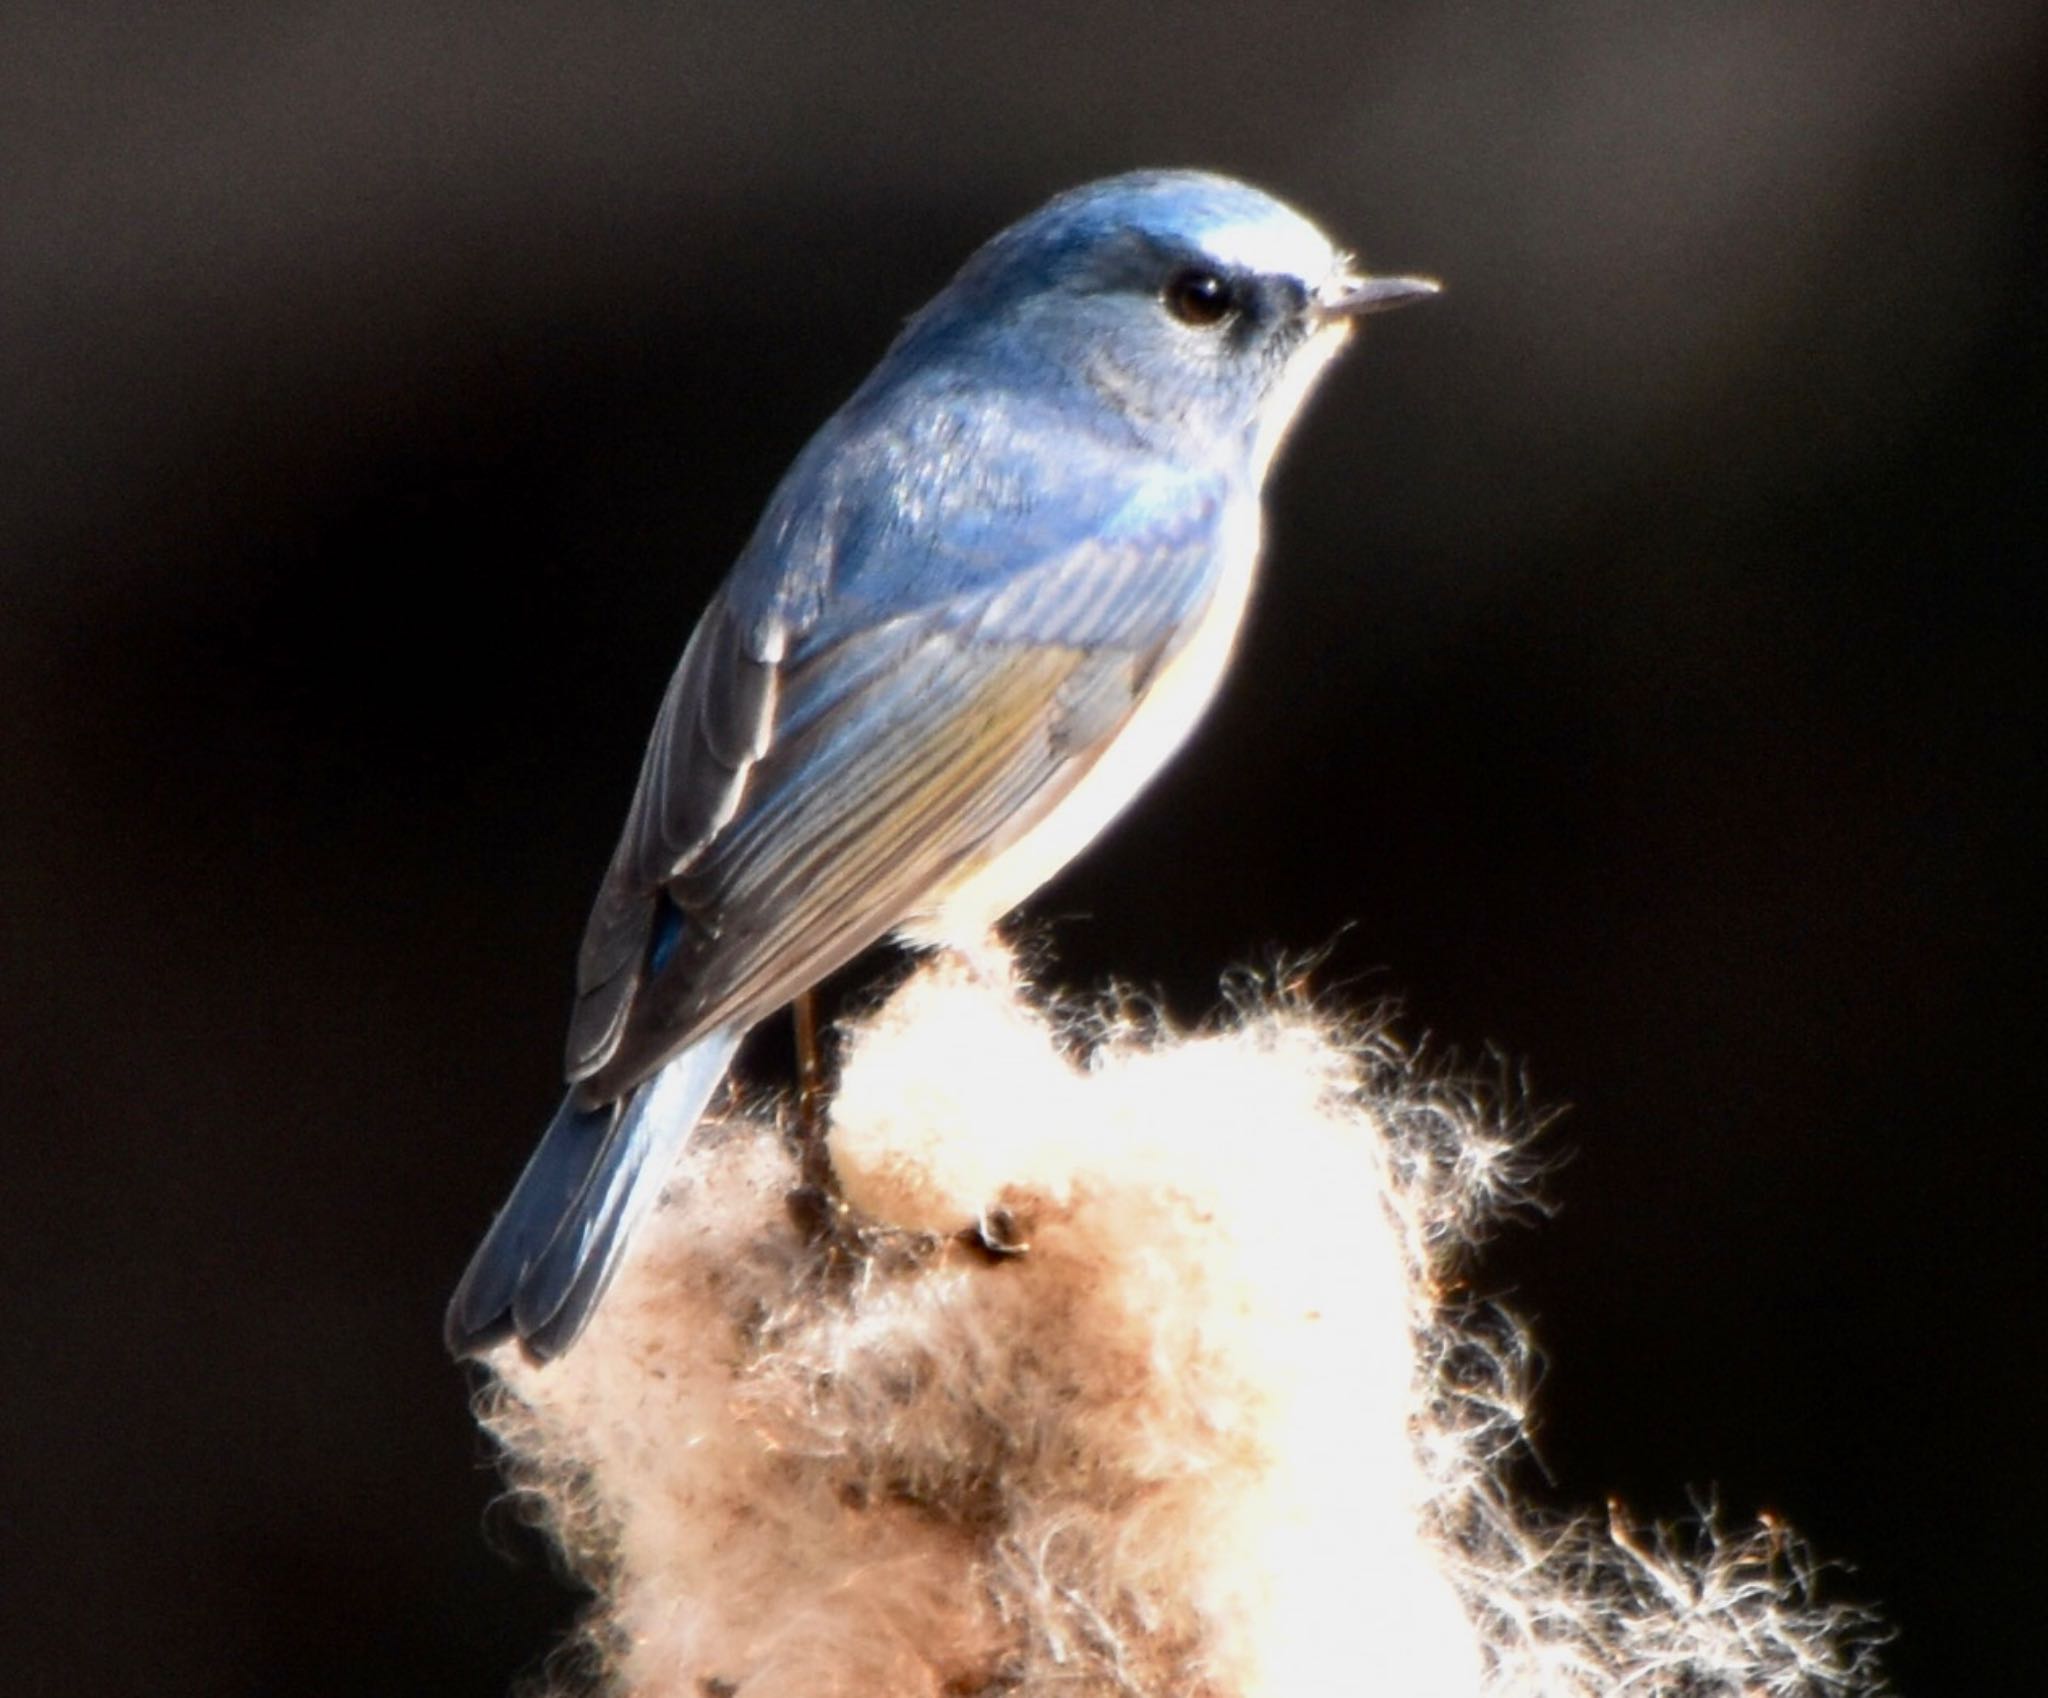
1645 678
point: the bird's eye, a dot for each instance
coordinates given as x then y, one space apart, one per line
1199 297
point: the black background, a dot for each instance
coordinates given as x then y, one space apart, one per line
1644 684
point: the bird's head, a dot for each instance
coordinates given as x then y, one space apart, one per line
1194 309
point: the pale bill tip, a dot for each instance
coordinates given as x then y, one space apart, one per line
1352 295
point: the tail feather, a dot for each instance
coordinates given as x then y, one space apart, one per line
557 1241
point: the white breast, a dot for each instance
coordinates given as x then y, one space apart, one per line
962 912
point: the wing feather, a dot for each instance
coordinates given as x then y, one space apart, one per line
924 777
714 723
805 791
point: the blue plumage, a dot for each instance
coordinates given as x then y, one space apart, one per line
988 600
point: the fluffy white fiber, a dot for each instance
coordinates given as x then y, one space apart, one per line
1131 1366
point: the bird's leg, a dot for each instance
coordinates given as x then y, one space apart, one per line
810 1069
815 1204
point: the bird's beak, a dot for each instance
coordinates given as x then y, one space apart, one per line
1350 294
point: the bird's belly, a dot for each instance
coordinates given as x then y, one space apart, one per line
962 910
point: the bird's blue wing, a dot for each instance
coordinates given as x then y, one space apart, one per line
809 783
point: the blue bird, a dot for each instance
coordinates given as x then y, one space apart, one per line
988 601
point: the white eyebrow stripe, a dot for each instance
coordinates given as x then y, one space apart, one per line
1282 245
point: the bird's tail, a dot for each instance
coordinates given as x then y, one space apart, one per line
557 1241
